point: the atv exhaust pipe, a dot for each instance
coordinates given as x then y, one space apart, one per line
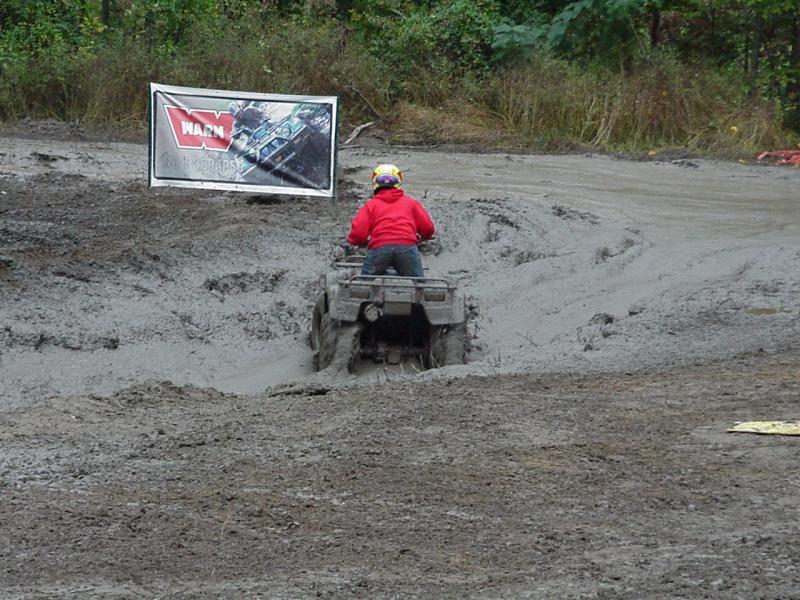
372 312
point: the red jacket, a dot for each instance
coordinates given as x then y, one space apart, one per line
390 217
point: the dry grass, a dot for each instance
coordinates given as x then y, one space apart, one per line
455 124
661 106
554 106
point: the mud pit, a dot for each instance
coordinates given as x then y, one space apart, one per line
622 316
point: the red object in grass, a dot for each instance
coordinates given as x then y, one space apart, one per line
785 157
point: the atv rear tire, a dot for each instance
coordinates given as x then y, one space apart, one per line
448 346
348 348
316 325
339 345
326 340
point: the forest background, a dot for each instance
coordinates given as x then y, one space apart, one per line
650 76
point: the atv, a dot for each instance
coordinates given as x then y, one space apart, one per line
387 318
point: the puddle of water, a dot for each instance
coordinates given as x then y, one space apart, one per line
760 312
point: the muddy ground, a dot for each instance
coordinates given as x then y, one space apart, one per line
163 435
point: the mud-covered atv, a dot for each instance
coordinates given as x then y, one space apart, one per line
387 318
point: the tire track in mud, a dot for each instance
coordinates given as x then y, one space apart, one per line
519 246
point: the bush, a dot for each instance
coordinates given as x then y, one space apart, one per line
39 43
447 41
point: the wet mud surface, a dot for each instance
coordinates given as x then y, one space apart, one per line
163 434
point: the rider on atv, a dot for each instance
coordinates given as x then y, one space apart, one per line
390 224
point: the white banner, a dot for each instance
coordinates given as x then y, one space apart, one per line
261 143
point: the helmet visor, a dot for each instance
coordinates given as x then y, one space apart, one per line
386 181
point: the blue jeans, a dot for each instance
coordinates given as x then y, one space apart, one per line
405 260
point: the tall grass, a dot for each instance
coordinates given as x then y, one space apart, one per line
109 86
661 105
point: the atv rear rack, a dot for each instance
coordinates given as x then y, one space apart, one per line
398 280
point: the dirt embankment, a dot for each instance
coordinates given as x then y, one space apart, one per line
622 316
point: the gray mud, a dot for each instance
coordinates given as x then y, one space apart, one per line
107 283
163 434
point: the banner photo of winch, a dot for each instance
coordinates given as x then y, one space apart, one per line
258 143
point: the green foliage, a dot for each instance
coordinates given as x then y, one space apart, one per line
610 31
602 27
757 39
167 25
605 73
527 11
39 43
517 42
37 25
464 32
450 38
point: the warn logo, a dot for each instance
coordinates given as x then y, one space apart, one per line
200 129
